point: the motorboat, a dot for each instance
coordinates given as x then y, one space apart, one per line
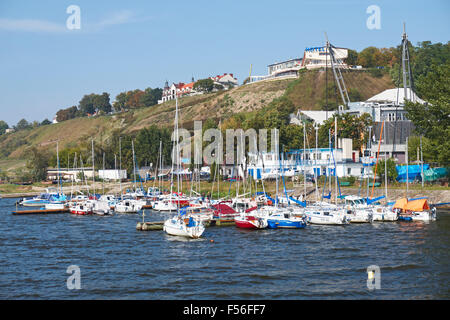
47 197
380 213
101 208
285 219
328 216
81 208
250 221
127 206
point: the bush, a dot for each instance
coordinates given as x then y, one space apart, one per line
377 73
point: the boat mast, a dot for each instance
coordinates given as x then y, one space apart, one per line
335 168
120 167
315 160
304 161
407 159
329 161
134 165
385 167
421 158
57 159
93 169
276 150
103 180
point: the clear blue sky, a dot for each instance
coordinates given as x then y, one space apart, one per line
125 45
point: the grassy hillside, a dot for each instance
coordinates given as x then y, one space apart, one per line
306 92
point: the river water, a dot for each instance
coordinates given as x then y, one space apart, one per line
318 262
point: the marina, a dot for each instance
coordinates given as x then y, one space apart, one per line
218 152
118 262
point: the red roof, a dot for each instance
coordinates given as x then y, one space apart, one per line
188 85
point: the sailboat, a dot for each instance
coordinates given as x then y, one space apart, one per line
327 213
414 210
285 217
182 224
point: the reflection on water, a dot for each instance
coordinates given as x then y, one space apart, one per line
318 262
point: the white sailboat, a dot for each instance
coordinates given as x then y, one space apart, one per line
184 227
182 224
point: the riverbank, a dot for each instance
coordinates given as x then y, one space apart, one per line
435 193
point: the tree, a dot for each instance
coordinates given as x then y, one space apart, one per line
206 85
22 124
45 122
67 114
352 57
121 101
37 163
101 102
391 170
3 127
86 104
150 97
366 57
432 120
349 126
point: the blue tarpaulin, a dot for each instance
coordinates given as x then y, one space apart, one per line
414 172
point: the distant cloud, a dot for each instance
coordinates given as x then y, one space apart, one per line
121 17
43 26
31 25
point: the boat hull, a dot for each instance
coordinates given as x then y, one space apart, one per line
178 229
250 224
274 224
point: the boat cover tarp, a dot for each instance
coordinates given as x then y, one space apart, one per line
417 205
414 172
433 174
223 209
400 203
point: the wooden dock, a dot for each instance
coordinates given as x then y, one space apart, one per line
40 211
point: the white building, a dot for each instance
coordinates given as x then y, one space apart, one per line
319 57
285 68
388 106
112 174
226 80
321 161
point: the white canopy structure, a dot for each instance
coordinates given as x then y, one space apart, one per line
396 96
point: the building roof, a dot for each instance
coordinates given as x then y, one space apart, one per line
276 63
318 116
396 95
187 85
